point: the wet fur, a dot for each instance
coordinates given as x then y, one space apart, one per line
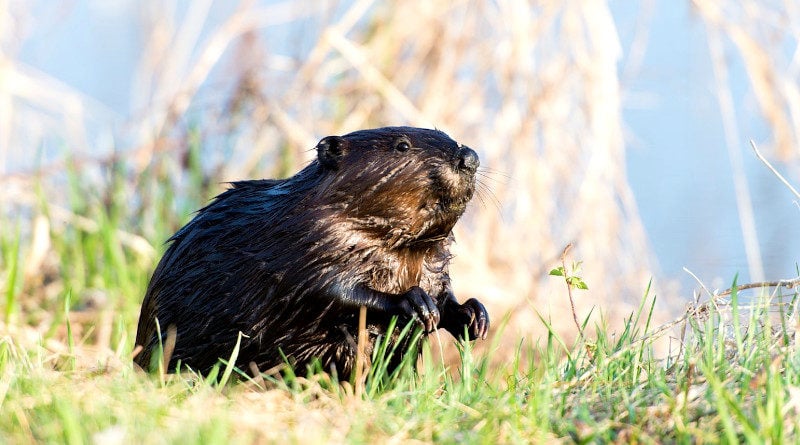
289 262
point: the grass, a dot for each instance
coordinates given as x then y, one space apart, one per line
607 390
66 374
76 250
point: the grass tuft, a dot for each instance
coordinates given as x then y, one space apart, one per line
606 387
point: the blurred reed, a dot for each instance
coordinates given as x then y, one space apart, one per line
766 37
532 86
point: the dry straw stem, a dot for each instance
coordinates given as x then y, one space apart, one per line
744 204
773 170
361 356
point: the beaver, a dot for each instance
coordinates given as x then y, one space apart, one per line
288 263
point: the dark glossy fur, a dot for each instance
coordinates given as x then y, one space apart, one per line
289 262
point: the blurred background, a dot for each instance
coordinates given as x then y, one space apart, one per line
622 127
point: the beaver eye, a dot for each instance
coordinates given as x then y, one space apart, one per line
402 145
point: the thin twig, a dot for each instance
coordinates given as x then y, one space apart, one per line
782 179
713 296
789 284
710 294
569 289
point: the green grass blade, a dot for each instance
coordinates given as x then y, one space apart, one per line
12 275
226 374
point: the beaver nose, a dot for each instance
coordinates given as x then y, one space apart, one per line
468 160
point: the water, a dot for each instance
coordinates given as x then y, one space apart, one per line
678 163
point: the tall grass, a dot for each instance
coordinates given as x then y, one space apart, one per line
727 382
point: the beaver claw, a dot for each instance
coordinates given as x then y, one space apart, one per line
473 315
418 305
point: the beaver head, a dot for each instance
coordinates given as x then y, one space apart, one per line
406 185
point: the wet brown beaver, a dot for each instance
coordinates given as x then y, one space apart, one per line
288 263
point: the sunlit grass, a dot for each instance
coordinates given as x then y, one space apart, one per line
67 375
79 238
730 381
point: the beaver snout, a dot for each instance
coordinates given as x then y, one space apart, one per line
468 160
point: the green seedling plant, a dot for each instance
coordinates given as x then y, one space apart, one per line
573 281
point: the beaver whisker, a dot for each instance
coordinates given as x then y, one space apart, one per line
494 175
485 194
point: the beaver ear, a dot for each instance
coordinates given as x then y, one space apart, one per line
330 151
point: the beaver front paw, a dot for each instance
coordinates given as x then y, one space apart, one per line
470 316
479 319
417 305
